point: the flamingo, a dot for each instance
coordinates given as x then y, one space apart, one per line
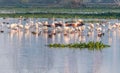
91 25
99 31
109 27
20 26
36 25
45 23
1 24
13 27
27 26
83 27
58 29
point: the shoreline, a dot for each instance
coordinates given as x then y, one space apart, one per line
63 15
50 12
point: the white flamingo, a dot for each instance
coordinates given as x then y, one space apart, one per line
12 26
20 26
91 25
1 25
27 26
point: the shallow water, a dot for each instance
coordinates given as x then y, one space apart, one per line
27 53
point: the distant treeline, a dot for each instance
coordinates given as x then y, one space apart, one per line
70 3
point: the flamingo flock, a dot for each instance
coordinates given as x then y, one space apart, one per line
60 27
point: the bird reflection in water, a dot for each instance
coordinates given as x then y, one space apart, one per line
12 33
19 35
58 37
109 40
27 34
66 39
82 38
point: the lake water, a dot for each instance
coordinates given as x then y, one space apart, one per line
23 52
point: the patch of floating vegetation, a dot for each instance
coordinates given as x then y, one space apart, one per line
90 45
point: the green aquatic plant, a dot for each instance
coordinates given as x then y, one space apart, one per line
90 45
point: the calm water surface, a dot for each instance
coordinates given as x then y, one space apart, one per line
23 52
